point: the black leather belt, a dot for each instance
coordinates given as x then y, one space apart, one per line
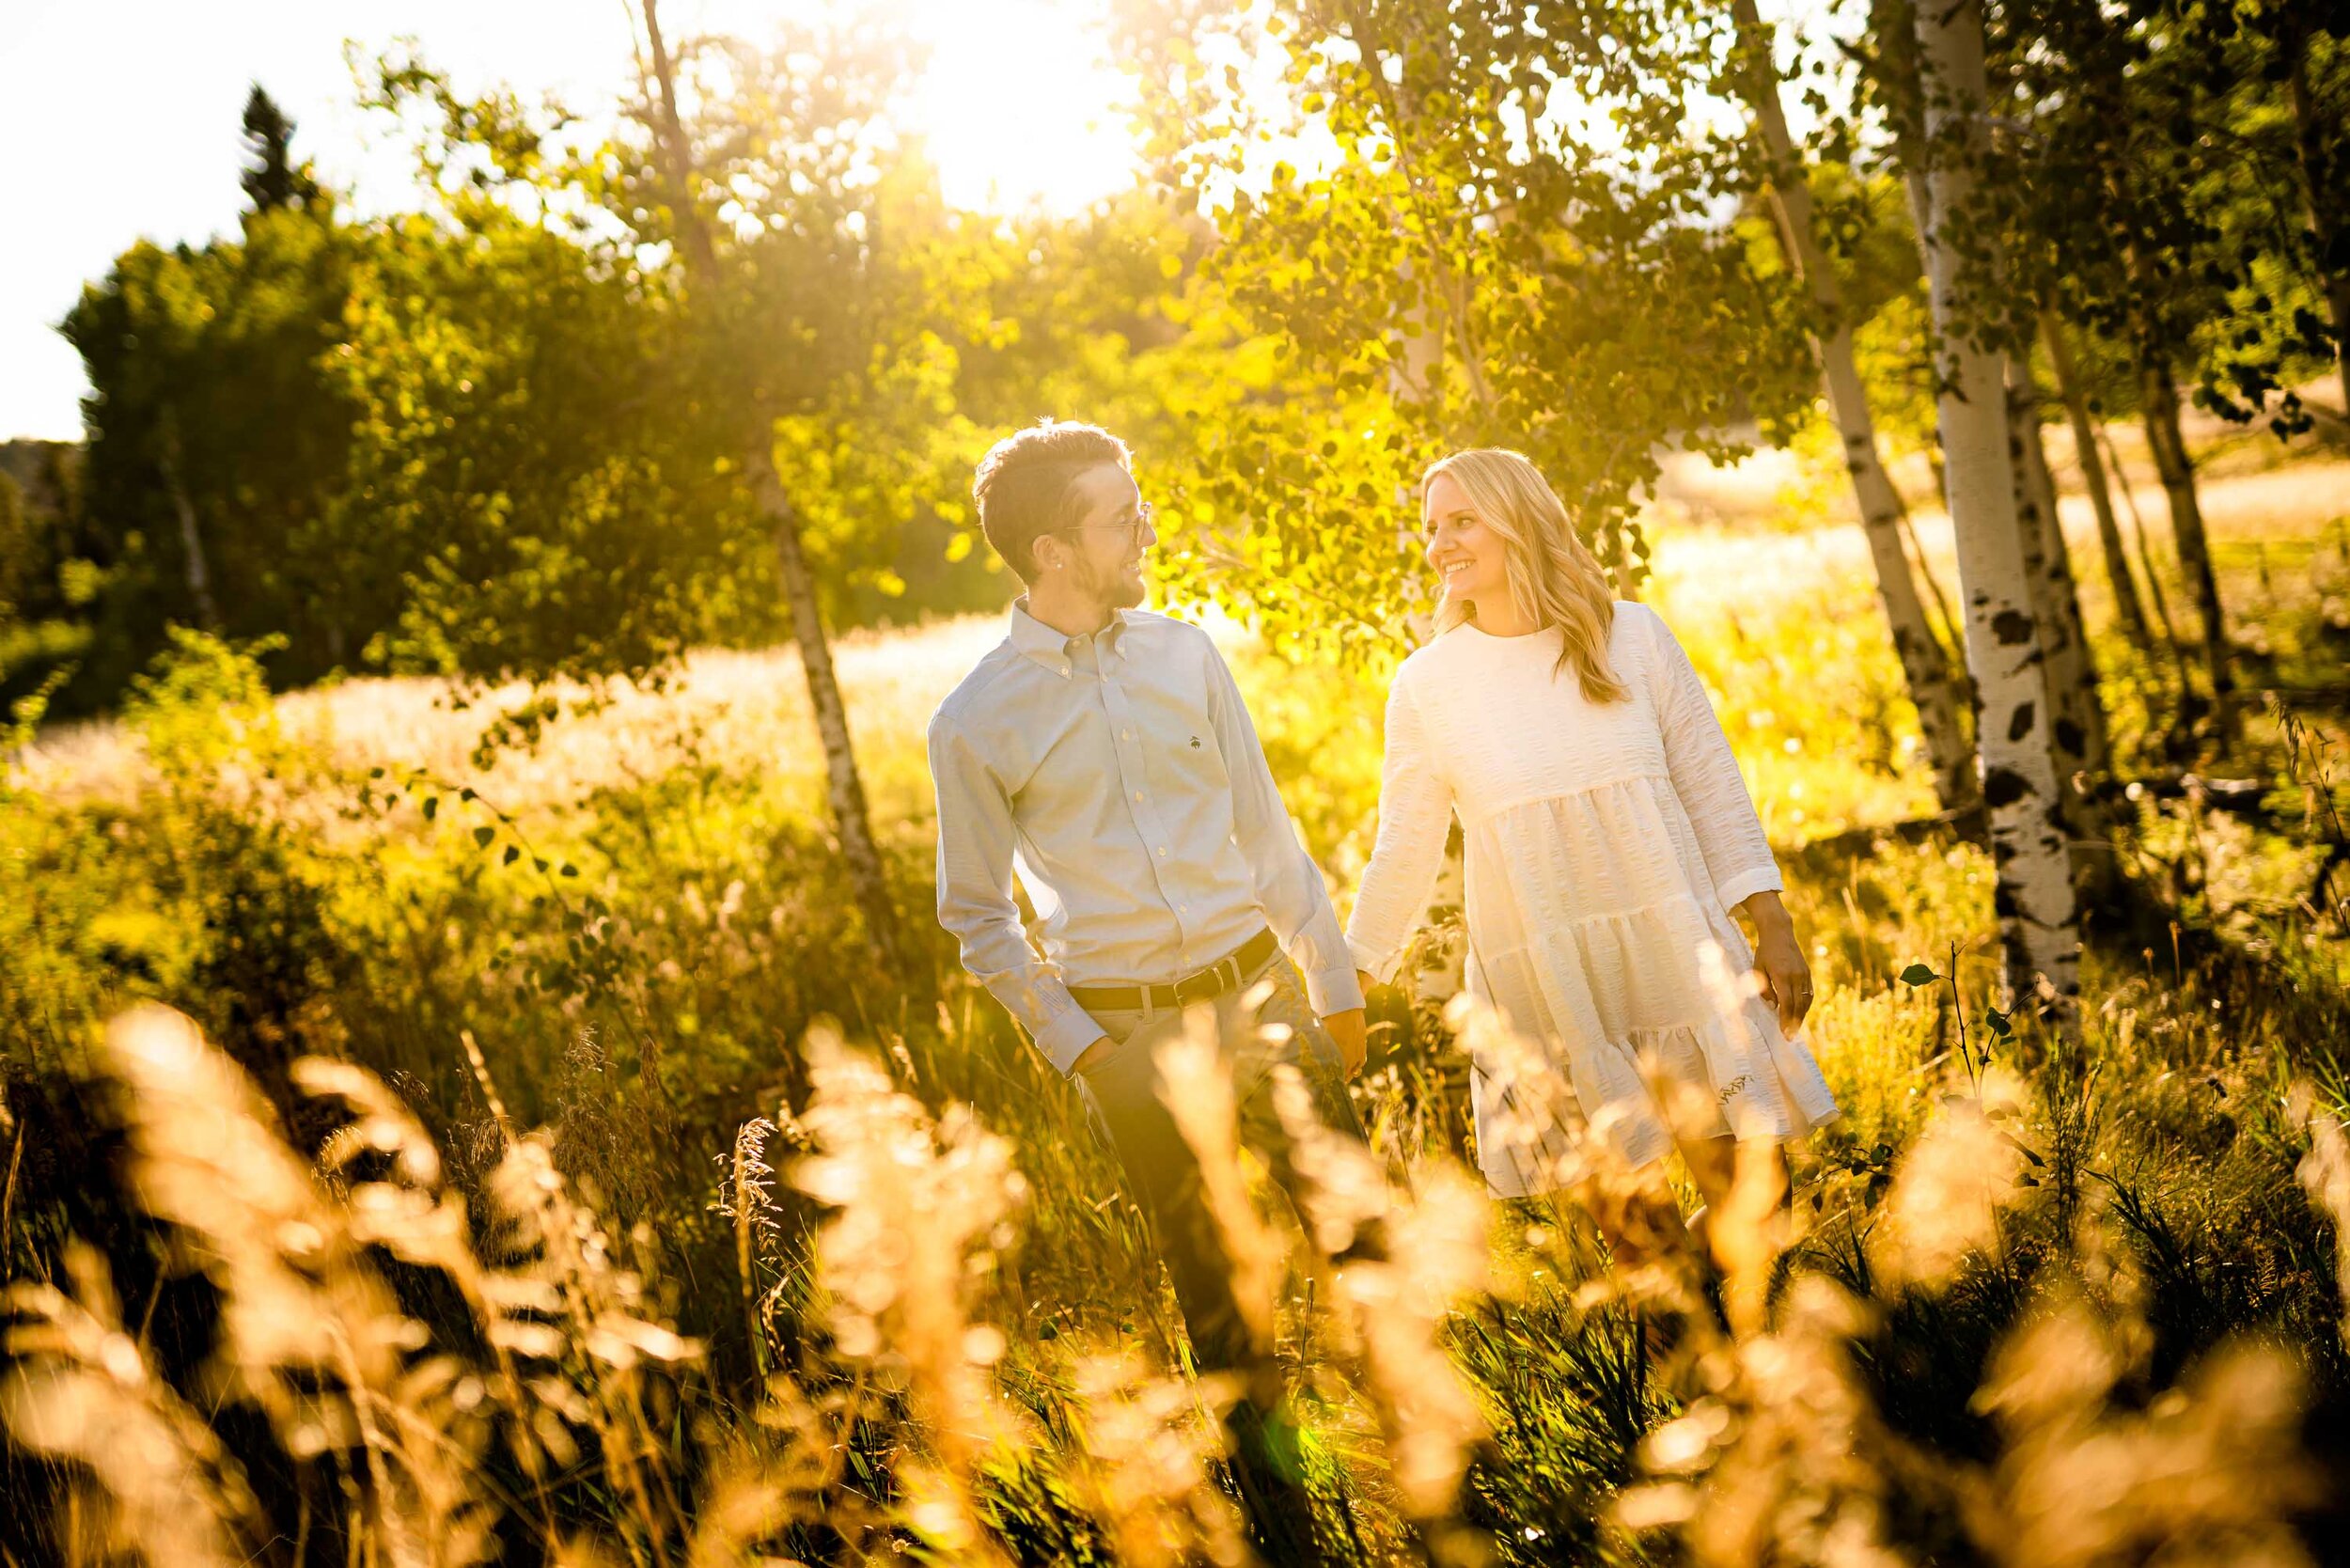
1225 974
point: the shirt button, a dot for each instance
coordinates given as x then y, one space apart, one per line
1125 734
1137 794
1162 851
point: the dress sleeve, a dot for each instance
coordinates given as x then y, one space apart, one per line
1415 815
1705 775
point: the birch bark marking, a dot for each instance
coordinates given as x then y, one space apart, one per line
2039 919
1936 689
844 787
2127 608
2077 722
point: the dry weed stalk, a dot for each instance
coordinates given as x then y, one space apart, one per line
920 1210
1435 1256
1542 1127
2210 1472
2324 1173
81 1389
1785 1460
562 1310
1748 1235
1149 1448
594 1353
746 1201
412 1215
308 1332
1654 1268
1950 1184
1195 1084
1785 1457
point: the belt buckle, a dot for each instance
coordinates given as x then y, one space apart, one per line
1205 987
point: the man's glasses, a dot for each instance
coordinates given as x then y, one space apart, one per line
1132 527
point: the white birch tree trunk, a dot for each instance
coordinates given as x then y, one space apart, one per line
844 787
2078 730
1936 689
2033 896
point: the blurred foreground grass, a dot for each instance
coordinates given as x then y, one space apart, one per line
755 1290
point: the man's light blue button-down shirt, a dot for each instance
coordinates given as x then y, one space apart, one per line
1118 778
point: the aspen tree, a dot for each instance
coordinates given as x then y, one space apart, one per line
2127 608
844 786
2038 913
1937 690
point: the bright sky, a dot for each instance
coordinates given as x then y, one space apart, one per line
124 118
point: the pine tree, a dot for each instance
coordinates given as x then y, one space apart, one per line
272 180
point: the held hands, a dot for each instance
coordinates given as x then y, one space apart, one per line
1778 961
1354 1041
1346 1028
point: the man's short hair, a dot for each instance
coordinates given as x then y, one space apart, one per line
1026 485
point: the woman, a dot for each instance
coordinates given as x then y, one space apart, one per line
1610 836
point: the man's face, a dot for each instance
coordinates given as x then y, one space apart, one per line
1104 546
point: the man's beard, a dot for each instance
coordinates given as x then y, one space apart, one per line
1111 587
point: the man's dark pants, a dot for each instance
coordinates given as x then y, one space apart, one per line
1123 1094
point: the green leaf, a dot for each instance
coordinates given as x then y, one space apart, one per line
1919 974
483 835
1998 1021
432 806
512 854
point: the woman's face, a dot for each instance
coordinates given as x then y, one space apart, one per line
1465 555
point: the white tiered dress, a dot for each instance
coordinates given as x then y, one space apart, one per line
1606 844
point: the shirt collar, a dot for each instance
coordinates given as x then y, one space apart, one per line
1032 639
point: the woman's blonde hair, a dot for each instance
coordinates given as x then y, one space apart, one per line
1554 578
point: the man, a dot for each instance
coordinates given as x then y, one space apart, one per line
1104 754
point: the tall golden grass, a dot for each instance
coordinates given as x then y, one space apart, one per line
416 1447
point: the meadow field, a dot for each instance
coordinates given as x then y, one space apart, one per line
534 1167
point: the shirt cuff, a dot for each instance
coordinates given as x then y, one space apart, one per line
1065 1039
1738 888
1379 966
1332 991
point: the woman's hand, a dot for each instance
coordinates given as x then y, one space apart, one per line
1347 1031
1778 961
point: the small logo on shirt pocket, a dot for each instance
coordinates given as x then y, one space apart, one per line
1194 743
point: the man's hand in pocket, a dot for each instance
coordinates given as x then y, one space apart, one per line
1094 1055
